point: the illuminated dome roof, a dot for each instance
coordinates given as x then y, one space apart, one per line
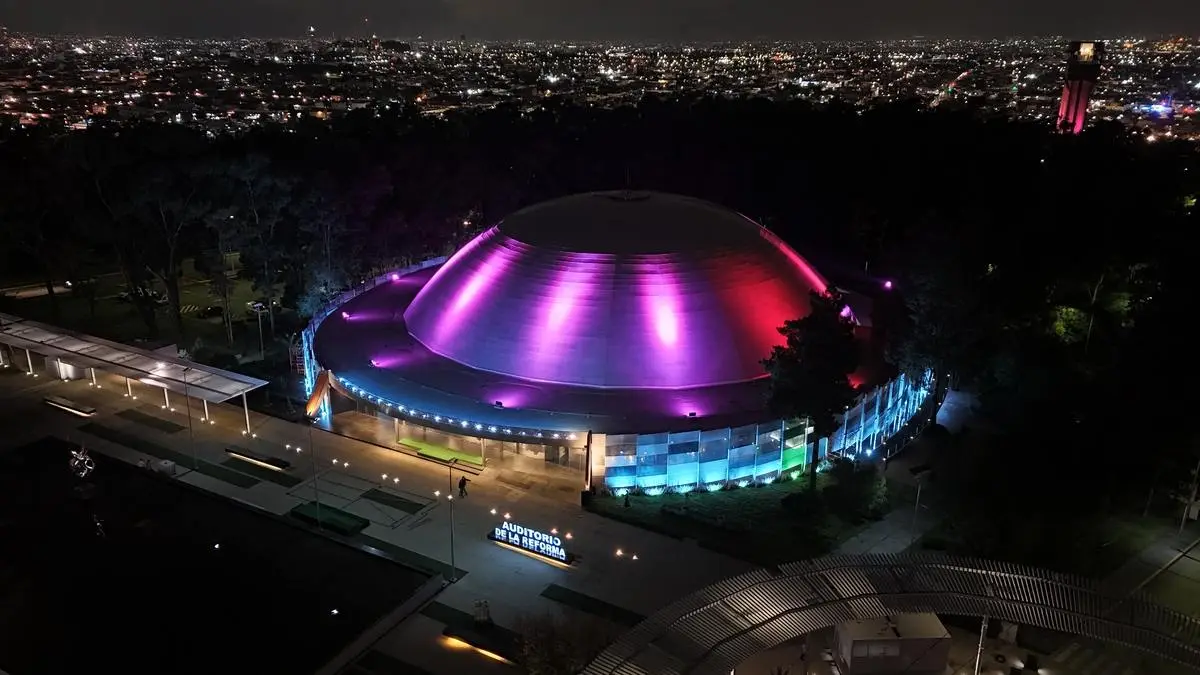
616 289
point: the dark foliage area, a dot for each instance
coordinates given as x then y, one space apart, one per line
1046 273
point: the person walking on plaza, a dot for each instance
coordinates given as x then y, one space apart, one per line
462 486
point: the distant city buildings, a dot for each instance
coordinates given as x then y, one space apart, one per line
230 85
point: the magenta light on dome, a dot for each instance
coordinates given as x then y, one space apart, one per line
480 282
569 291
552 333
552 309
395 277
663 306
811 275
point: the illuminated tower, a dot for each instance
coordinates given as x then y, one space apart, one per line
1083 69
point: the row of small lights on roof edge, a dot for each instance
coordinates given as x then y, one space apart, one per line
413 412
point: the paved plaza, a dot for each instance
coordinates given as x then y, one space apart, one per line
347 474
410 521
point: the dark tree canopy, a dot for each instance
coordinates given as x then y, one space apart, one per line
810 373
1049 275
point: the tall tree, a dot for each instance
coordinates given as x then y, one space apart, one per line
262 194
810 372
169 209
31 216
221 225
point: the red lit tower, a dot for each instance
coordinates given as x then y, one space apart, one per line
1083 69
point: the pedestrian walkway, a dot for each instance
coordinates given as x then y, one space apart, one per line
895 533
1166 570
1140 572
1096 658
404 499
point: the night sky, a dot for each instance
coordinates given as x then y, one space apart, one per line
609 19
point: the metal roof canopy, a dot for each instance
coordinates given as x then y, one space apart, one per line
169 372
717 628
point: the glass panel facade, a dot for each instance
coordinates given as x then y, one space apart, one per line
770 444
795 445
756 452
683 459
714 456
620 461
652 460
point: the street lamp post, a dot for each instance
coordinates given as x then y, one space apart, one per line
450 498
916 510
453 566
258 310
188 406
312 451
1187 508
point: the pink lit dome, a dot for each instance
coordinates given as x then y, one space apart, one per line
616 290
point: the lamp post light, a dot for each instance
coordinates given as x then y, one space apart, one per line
453 566
312 451
1187 508
917 506
188 405
258 308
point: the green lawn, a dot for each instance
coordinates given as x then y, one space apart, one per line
747 523
441 453
120 321
339 521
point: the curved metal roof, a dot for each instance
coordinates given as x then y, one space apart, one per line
616 290
719 627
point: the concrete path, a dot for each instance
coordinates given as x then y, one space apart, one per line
340 471
894 534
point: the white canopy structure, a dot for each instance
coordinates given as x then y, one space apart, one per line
165 371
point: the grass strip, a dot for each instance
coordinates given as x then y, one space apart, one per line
394 501
409 558
330 518
181 460
151 421
261 472
441 453
593 606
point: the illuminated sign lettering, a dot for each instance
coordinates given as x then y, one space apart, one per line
531 540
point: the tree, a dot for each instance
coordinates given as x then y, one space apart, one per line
261 195
220 223
169 206
810 373
552 645
33 222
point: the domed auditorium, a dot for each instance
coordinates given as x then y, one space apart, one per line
628 325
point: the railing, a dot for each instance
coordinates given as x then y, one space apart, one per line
311 366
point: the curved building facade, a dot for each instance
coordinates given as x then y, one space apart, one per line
616 290
634 324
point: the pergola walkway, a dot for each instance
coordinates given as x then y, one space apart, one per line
719 627
71 355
